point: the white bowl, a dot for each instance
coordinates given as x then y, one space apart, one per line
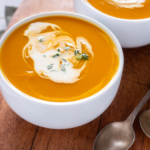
61 115
130 33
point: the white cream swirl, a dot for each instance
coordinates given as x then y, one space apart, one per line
127 3
42 46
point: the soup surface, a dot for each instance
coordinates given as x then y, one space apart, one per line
126 9
59 59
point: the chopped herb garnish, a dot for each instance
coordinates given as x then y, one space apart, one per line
64 60
53 70
79 57
44 56
83 56
58 49
41 39
67 48
63 68
56 54
76 52
50 66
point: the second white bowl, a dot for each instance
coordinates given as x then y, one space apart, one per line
130 33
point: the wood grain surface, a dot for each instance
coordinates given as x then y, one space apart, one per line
17 134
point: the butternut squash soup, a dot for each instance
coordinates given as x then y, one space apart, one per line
59 59
126 9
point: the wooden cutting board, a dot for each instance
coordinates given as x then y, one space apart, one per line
17 134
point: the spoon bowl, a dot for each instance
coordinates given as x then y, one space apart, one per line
115 136
145 122
120 135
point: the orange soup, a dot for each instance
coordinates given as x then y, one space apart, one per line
126 9
59 59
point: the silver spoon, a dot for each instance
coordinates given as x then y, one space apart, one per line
119 135
145 122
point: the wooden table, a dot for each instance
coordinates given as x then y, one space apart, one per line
17 134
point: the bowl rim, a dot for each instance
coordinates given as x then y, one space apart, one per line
77 16
113 17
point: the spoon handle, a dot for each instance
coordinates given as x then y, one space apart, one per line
139 106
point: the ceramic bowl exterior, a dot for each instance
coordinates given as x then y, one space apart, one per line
130 33
61 115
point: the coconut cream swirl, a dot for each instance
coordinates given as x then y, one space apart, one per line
127 3
53 53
